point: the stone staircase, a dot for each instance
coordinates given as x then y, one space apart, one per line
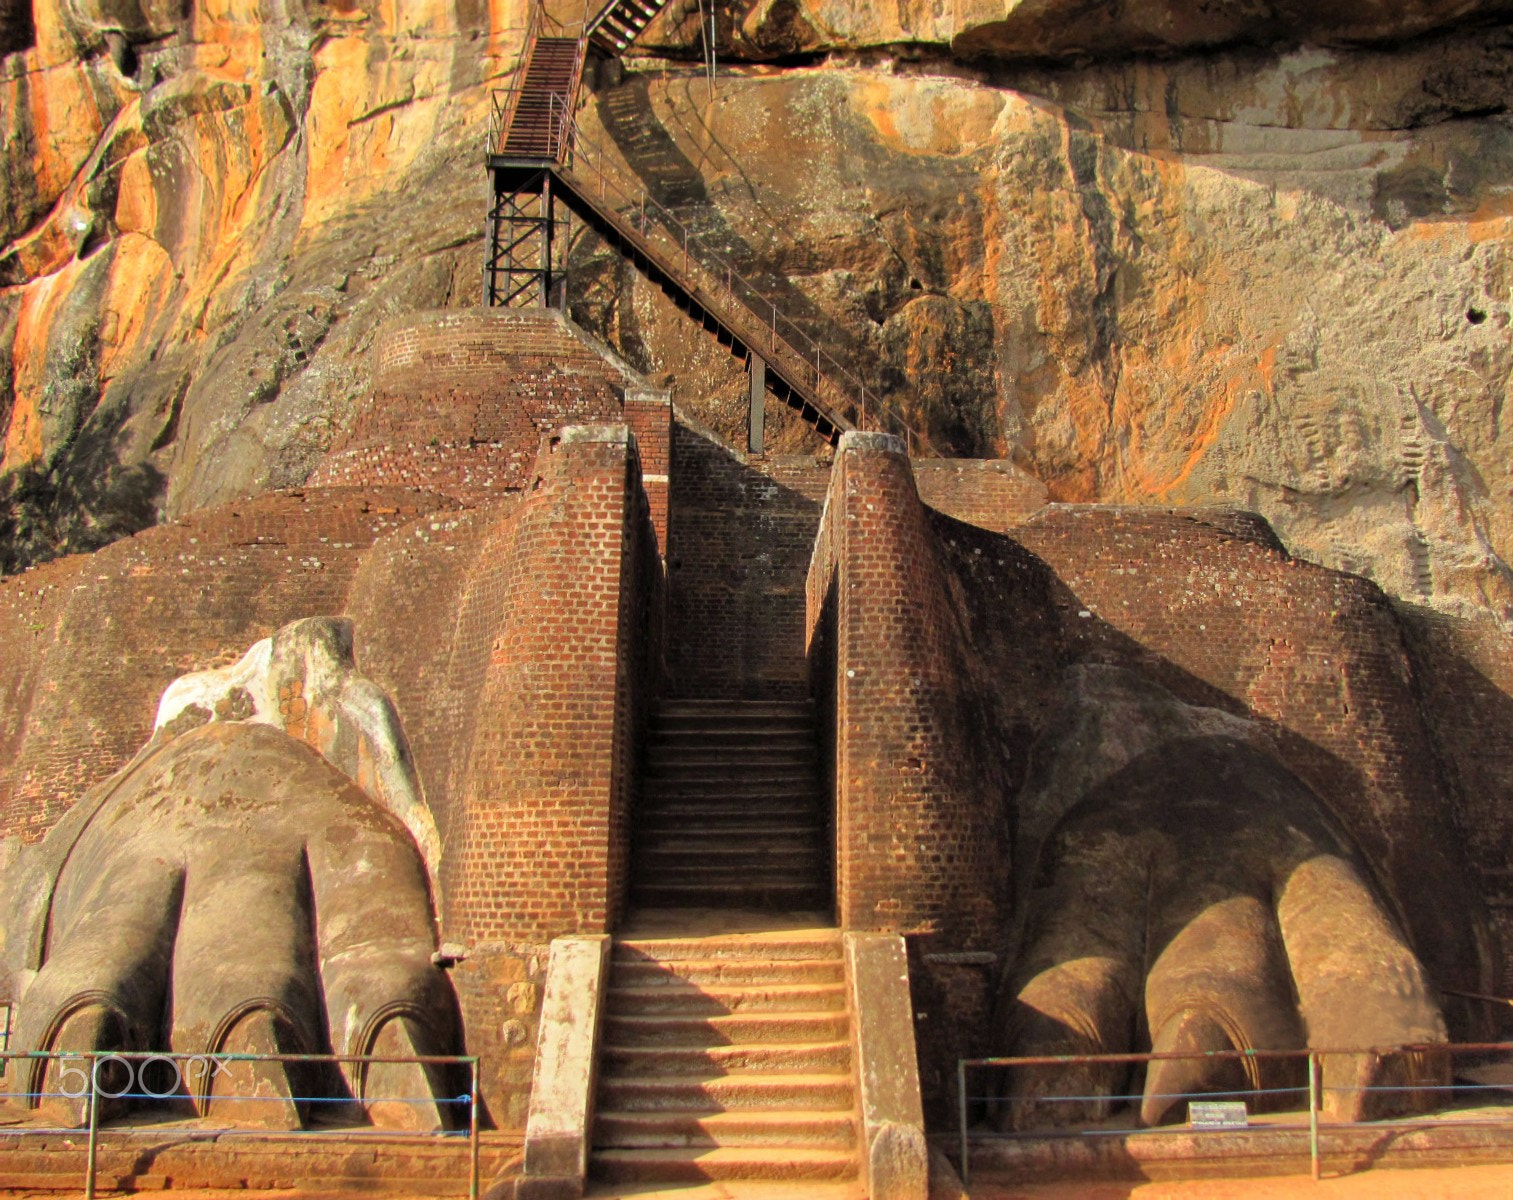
724 1058
732 813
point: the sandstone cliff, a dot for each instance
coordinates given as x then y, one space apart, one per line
1165 256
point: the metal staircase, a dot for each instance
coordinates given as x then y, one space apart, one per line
543 172
621 23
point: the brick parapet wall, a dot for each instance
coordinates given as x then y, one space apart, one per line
462 399
541 847
741 530
474 342
989 492
917 849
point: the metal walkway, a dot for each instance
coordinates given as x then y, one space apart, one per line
541 169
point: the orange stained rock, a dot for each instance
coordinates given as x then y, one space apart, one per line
25 439
141 282
228 37
137 198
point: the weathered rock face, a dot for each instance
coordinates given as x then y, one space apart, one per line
190 211
1082 29
1255 276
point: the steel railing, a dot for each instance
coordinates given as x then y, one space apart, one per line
141 1088
506 102
764 327
1313 1092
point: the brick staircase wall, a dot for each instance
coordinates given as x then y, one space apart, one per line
989 492
740 533
918 852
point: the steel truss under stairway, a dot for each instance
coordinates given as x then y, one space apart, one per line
543 173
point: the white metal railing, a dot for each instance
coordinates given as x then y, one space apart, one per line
92 1077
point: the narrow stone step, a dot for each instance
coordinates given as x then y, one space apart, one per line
799 858
802 855
803 794
765 1057
737 972
753 708
722 771
674 894
733 797
693 1164
677 1093
661 1029
692 999
797 735
736 826
795 1128
783 945
745 753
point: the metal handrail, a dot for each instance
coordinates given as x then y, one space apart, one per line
506 101
1315 1088
93 1094
786 344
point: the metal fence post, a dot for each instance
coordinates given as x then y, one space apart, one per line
473 1134
961 1100
1313 1112
94 1126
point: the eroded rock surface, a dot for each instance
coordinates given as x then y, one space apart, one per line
1263 266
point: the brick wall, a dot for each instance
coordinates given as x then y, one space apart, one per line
540 849
990 492
917 849
741 529
462 398
649 415
91 641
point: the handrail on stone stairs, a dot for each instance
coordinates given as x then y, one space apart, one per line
767 330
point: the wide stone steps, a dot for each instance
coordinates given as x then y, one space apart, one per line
706 1060
726 1058
770 948
691 1165
728 972
697 1000
781 1090
795 1127
735 1030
